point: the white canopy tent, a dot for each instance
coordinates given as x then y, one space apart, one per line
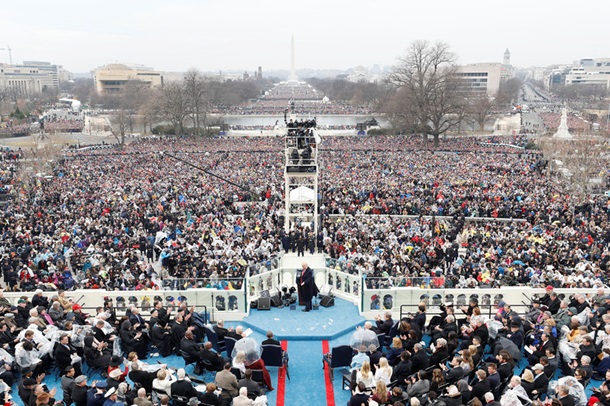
302 194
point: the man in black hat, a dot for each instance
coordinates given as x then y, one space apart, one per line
515 335
531 318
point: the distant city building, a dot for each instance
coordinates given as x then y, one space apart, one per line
486 77
506 60
360 74
537 73
589 72
481 77
114 77
32 77
55 73
21 80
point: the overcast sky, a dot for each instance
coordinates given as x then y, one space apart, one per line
241 35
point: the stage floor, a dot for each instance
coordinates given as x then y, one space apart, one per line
327 323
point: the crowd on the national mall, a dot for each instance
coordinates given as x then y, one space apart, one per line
395 209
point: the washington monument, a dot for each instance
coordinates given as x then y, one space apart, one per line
293 69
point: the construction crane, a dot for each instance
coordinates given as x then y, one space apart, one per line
10 54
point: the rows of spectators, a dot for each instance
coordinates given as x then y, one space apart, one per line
475 359
51 339
125 219
553 119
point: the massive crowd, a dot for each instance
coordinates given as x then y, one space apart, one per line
575 123
305 99
127 219
548 354
135 217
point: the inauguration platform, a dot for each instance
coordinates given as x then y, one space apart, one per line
327 323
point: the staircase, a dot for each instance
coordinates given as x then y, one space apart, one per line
292 261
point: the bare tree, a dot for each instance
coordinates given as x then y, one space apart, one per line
197 94
578 163
173 105
480 107
427 77
120 120
399 112
149 112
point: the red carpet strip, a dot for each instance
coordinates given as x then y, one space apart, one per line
281 380
330 393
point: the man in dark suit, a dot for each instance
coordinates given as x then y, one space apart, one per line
455 373
214 358
492 375
540 351
563 394
359 397
163 313
403 369
419 318
63 355
438 330
220 330
137 321
419 358
504 369
308 286
554 303
249 384
99 333
192 349
481 387
79 393
541 382
182 387
384 326
270 340
145 378
515 335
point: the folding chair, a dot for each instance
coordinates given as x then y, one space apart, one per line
188 360
218 345
340 357
229 344
273 356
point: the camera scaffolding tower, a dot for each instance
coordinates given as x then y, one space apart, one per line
301 172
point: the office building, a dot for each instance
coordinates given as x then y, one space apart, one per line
114 77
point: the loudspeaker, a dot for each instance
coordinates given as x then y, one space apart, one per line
264 303
327 301
276 301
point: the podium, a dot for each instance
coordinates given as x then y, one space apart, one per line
298 282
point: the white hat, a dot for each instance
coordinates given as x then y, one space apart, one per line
453 391
115 373
110 392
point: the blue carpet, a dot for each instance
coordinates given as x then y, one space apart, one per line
324 324
307 385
